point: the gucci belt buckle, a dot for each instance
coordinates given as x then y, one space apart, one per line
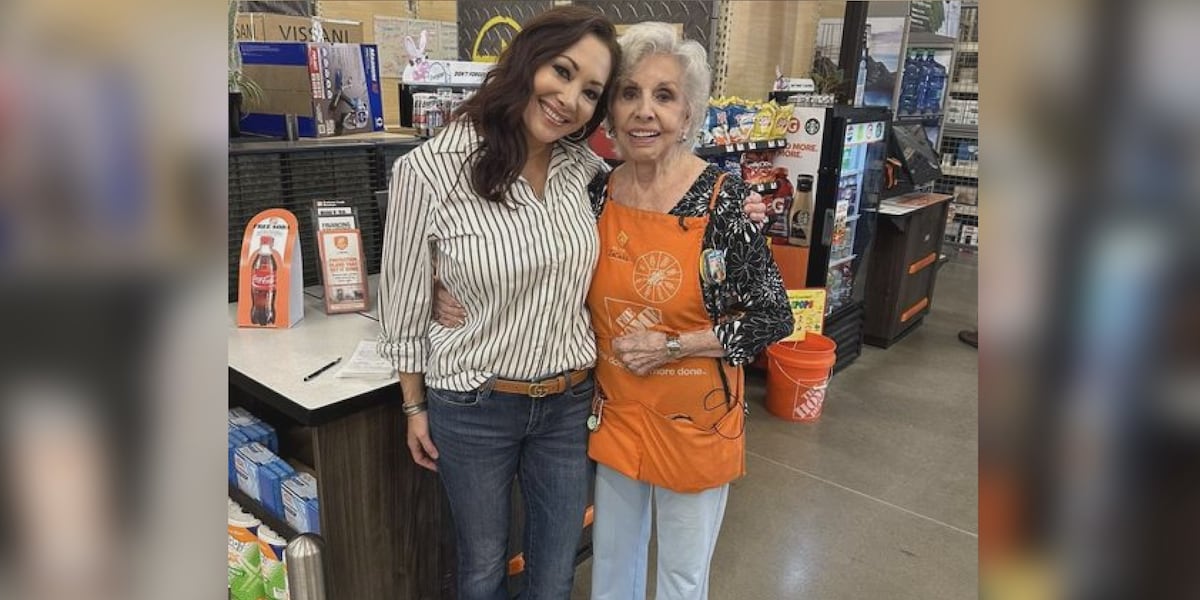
539 390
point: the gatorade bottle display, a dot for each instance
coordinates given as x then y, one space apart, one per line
262 283
800 216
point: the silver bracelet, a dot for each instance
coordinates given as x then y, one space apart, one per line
414 409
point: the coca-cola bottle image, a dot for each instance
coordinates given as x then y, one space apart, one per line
262 283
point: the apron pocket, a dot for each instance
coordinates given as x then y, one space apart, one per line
691 456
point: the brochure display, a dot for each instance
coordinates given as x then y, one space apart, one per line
343 267
270 275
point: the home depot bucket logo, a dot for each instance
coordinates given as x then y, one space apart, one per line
498 26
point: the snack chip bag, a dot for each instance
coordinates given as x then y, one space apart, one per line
783 116
757 167
764 122
731 163
740 121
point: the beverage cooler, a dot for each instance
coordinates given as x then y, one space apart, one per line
845 149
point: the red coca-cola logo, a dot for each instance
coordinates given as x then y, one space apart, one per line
263 281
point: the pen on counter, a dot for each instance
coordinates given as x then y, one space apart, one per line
322 369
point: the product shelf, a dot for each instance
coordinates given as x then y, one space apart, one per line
968 171
280 526
765 188
964 88
968 46
842 261
742 147
965 209
918 117
961 130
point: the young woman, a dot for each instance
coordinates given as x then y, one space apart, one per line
499 201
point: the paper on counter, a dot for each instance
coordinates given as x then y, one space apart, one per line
366 363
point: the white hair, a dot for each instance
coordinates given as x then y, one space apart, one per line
653 38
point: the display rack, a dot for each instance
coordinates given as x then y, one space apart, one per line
960 137
705 151
250 505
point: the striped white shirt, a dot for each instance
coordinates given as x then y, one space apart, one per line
521 268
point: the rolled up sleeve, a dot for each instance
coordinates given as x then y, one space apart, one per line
405 275
753 299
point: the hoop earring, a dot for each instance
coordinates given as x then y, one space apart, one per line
574 138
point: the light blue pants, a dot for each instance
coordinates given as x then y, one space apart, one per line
687 528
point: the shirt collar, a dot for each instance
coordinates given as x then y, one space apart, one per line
460 136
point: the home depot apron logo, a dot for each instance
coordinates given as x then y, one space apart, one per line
618 252
629 317
657 276
500 24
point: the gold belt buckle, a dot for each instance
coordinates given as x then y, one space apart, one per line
539 390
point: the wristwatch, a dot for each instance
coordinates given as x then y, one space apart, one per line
673 345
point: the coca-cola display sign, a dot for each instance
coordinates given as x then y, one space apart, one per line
270 276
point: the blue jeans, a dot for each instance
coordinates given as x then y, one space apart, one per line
484 440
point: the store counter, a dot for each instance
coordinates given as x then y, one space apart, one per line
381 515
274 363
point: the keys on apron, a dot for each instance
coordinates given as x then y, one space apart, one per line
594 419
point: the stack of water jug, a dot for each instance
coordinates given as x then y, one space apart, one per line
922 85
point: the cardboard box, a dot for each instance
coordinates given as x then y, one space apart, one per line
261 475
965 194
300 504
333 89
253 428
267 27
969 235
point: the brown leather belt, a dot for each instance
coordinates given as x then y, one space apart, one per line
542 388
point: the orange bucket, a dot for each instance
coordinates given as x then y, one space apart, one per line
797 375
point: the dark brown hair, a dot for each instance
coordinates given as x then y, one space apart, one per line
497 109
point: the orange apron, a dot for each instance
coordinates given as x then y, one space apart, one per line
677 428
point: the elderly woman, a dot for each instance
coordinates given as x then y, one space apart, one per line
685 292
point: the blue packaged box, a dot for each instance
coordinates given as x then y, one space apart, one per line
277 472
332 89
237 439
253 428
260 474
301 508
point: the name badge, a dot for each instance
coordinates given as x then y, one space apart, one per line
712 266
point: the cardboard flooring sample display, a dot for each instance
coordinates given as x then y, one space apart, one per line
270 276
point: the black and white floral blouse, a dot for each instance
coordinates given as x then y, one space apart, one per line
750 307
